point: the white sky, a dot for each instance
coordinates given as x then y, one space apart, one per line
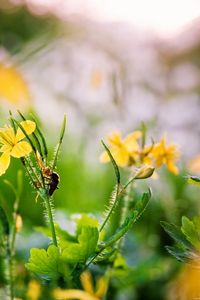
163 16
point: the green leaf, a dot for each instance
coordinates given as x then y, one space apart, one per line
175 232
106 256
120 262
129 221
45 263
190 231
86 220
117 173
196 221
83 248
180 254
193 180
141 204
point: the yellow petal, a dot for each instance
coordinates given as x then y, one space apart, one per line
21 149
13 88
4 162
115 138
28 126
130 142
72 294
101 287
121 156
6 148
172 168
86 281
7 135
104 157
34 290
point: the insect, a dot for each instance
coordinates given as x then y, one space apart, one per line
53 184
51 177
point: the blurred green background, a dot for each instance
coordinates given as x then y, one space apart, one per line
105 76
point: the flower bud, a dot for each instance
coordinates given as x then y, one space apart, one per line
19 223
144 172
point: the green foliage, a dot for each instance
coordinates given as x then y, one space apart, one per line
187 238
85 220
193 180
4 224
45 263
130 220
85 246
115 166
190 230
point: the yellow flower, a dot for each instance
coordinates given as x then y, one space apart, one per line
12 144
13 88
166 154
89 293
124 150
194 165
187 284
96 79
34 290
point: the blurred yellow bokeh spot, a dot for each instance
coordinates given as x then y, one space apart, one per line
13 88
187 285
96 79
194 165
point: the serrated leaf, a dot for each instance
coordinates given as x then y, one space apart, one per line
44 263
175 232
83 248
86 220
189 230
142 202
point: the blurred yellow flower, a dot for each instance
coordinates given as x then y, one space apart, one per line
13 88
124 150
187 285
194 165
12 144
34 290
89 292
96 79
166 155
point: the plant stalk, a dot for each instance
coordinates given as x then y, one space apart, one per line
46 198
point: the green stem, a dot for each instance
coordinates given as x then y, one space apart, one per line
50 217
111 209
11 283
9 271
115 202
125 207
